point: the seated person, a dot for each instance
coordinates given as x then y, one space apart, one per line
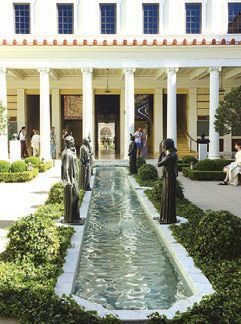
234 168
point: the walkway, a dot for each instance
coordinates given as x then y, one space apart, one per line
21 199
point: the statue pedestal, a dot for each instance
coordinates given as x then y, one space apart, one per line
202 151
15 150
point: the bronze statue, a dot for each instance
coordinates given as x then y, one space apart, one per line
85 165
168 160
132 155
69 176
91 155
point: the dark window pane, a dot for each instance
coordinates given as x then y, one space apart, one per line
151 18
193 18
234 17
108 18
22 18
65 18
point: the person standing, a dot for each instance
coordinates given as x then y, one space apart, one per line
53 143
138 137
22 138
35 143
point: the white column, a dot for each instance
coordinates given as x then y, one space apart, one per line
172 103
129 106
44 115
192 117
122 123
214 103
21 106
158 119
3 117
88 111
56 119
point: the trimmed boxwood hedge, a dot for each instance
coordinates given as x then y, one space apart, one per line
203 175
4 166
45 166
18 176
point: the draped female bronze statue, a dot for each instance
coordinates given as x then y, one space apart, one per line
168 160
69 176
132 155
85 168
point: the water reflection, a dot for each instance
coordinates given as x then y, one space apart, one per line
123 264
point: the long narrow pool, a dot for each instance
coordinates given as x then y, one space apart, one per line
123 264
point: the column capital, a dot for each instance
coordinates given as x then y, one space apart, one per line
215 69
87 70
3 70
172 69
130 70
43 70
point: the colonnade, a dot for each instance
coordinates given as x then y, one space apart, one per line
129 108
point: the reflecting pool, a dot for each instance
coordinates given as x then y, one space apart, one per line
123 264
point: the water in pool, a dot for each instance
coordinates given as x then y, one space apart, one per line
123 264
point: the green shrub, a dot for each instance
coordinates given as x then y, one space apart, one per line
56 194
220 164
18 176
218 236
53 211
18 166
155 193
211 165
36 239
34 160
140 161
147 172
45 166
4 166
206 165
189 158
203 175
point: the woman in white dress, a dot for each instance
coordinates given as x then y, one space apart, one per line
233 169
35 143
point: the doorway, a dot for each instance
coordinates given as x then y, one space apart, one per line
107 126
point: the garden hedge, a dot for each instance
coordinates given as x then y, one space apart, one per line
18 176
29 269
45 166
203 175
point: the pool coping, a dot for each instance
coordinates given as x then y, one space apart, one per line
193 276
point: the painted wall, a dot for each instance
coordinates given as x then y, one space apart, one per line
129 17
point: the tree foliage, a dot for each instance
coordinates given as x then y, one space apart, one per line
3 119
228 116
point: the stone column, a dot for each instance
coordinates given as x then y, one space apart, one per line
44 115
129 107
158 120
88 111
21 106
192 117
4 115
172 103
214 103
56 120
122 123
